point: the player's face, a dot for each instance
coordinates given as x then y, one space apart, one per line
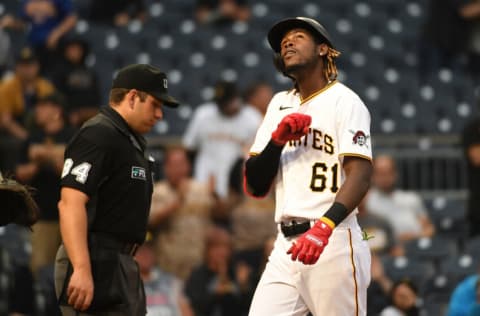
298 49
146 113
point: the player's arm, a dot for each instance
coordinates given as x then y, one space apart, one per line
358 172
260 170
73 228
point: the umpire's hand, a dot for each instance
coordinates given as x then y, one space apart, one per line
80 288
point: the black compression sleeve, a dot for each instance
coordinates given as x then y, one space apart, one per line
261 169
337 213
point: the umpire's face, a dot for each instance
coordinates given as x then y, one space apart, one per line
145 111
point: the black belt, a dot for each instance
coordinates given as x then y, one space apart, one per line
294 228
103 241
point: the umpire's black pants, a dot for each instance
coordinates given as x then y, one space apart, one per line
136 296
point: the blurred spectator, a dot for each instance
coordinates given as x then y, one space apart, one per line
180 213
219 133
404 300
250 212
18 95
221 11
379 232
258 95
117 12
47 22
77 82
379 288
218 286
471 147
446 33
404 210
4 51
465 296
163 291
40 167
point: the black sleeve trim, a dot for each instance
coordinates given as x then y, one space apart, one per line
260 170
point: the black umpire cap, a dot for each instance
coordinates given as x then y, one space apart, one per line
281 28
146 78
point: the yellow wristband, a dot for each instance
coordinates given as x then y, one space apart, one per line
328 221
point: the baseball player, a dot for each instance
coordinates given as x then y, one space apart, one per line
314 144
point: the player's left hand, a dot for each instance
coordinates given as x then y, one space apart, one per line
310 245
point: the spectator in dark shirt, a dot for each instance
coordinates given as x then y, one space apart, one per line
221 11
47 22
77 82
117 12
218 286
446 33
40 167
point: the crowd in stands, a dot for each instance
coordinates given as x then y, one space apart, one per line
208 241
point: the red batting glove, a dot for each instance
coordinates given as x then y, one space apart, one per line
291 127
310 245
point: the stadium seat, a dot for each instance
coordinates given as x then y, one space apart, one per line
9 7
472 246
15 240
439 284
435 304
430 249
460 266
398 268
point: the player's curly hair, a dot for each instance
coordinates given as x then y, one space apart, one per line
330 69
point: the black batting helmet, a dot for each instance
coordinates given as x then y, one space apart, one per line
277 32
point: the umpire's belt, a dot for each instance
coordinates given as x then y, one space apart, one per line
104 241
293 228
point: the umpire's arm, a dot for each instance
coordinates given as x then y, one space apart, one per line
358 173
73 227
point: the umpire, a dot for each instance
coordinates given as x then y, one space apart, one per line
105 199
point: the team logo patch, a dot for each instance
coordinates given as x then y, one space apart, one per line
360 138
138 173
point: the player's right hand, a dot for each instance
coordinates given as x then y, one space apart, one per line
291 127
310 245
80 289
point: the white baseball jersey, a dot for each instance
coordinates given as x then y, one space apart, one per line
310 171
220 141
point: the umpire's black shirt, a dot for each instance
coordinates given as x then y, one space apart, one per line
106 160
